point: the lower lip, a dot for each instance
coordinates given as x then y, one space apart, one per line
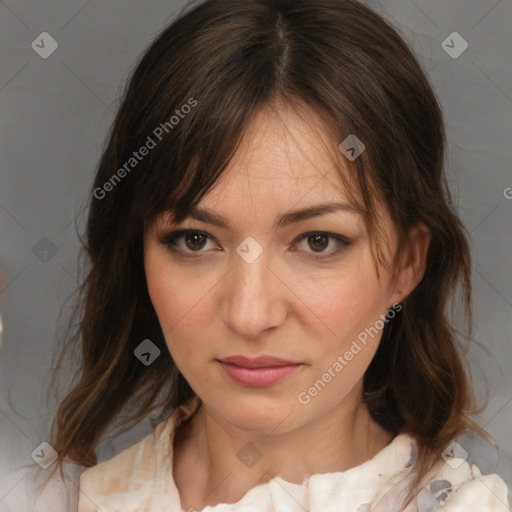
258 377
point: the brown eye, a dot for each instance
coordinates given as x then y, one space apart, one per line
318 245
318 242
195 241
187 242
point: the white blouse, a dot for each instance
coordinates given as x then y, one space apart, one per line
139 479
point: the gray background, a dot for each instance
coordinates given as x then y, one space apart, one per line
54 117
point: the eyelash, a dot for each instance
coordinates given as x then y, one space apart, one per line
171 238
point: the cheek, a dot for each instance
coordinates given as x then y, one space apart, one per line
182 307
345 303
350 306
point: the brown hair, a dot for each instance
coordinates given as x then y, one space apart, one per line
225 59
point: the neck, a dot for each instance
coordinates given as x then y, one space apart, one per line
227 463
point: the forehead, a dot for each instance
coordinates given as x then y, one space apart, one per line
285 156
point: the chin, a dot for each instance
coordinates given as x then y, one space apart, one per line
258 423
258 415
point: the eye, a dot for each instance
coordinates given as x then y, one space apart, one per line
188 242
319 241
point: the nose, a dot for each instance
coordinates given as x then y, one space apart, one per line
253 298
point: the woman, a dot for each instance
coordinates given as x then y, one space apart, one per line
273 249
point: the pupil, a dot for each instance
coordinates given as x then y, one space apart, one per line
317 241
193 238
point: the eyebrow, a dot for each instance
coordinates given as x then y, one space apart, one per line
203 214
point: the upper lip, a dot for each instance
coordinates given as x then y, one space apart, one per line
257 362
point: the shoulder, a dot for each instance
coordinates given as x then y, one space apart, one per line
461 487
129 470
464 479
487 492
24 489
458 484
133 477
453 485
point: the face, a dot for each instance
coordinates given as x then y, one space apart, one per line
304 290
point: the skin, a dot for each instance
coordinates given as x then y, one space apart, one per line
286 303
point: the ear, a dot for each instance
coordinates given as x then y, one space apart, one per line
413 262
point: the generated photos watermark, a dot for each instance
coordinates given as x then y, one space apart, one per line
304 397
156 136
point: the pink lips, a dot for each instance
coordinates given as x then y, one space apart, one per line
257 372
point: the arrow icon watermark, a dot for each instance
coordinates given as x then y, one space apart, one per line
249 250
454 45
352 147
44 45
45 455
147 352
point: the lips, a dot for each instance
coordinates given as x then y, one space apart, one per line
258 362
257 372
